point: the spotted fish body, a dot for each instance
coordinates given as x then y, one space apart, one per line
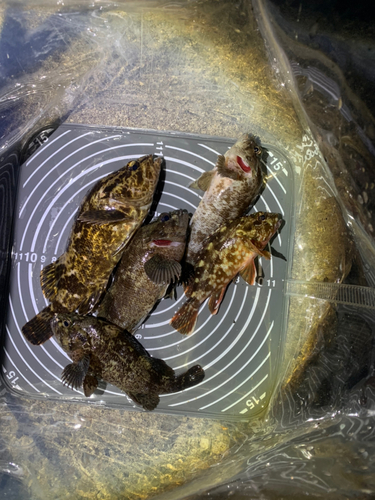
229 251
148 265
109 215
230 188
101 350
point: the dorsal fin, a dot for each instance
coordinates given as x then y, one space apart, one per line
49 278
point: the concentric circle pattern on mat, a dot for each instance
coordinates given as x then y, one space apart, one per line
238 348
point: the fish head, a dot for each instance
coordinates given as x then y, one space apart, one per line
168 231
69 331
244 157
135 183
260 227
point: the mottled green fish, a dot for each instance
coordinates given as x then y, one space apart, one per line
149 264
230 188
231 250
101 350
108 217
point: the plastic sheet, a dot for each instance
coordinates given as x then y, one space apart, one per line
200 68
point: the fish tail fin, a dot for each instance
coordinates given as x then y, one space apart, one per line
186 317
215 300
49 278
192 377
38 330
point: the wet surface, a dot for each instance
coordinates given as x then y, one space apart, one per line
201 67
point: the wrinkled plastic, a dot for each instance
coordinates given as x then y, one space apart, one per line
200 67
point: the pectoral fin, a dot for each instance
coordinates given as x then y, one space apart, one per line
204 181
215 300
74 373
249 273
162 270
266 254
223 170
88 305
50 276
102 216
252 246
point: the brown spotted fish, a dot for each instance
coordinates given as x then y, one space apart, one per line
149 264
101 350
229 251
230 189
109 215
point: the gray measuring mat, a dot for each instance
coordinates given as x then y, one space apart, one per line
239 348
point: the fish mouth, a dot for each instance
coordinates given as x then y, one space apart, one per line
242 163
165 243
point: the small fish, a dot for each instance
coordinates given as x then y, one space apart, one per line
101 350
109 215
229 251
230 188
148 265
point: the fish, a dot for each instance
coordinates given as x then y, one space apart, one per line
230 189
231 250
149 264
108 217
101 350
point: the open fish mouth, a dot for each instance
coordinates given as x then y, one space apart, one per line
244 166
166 243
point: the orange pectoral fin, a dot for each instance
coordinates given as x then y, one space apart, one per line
249 273
215 300
266 254
258 251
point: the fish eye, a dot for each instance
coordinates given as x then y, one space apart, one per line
257 150
133 165
66 323
262 217
164 217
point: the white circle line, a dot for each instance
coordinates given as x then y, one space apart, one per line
221 338
210 149
182 162
276 199
190 153
247 394
17 369
274 175
238 355
43 148
52 155
239 385
20 355
179 197
151 325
